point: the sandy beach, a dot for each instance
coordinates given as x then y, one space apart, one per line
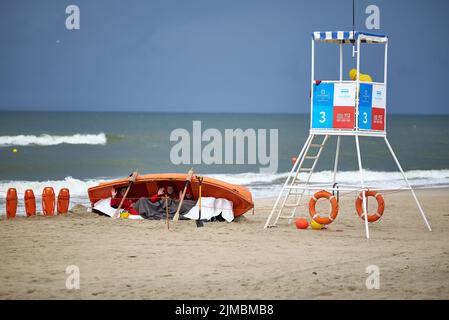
125 259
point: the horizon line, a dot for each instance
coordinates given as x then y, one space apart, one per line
204 112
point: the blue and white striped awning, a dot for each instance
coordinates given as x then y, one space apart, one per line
348 36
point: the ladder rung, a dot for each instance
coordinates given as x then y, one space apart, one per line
290 205
298 187
311 157
285 217
314 145
305 169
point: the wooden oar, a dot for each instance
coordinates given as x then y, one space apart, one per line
167 220
186 185
199 223
132 178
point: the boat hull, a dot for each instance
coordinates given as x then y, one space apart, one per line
147 185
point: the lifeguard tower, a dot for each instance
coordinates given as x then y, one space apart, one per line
340 108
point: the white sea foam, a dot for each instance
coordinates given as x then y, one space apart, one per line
78 188
268 185
51 140
261 185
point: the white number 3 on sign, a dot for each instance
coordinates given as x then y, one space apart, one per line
323 117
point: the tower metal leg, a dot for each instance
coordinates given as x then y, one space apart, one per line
337 153
365 211
408 184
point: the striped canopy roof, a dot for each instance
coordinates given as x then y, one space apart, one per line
348 37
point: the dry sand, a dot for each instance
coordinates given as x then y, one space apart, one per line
125 259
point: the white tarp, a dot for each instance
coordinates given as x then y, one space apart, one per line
104 206
212 207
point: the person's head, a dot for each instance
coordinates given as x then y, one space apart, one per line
170 189
120 191
188 196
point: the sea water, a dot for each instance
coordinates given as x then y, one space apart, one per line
77 150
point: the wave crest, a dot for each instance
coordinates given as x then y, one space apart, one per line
52 140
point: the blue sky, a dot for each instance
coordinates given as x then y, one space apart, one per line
209 55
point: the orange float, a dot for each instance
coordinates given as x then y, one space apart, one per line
312 211
301 223
63 201
294 160
11 203
30 203
380 205
48 201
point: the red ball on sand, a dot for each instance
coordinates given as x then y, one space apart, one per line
301 223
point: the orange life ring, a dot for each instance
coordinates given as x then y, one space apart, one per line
380 205
334 212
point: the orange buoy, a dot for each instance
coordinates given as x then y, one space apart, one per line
48 201
30 203
11 203
63 200
301 223
380 205
294 160
312 211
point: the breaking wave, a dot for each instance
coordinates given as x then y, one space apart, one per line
52 140
268 185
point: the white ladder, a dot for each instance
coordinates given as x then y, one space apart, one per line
305 163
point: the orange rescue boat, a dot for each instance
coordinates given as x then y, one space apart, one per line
148 185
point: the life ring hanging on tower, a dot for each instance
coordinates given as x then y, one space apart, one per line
334 211
380 205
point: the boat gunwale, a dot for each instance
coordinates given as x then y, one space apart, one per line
232 188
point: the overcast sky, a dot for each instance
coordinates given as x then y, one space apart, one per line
210 55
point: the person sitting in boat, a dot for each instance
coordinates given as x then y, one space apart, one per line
117 196
155 207
165 191
188 196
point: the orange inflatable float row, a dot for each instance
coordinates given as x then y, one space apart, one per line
48 202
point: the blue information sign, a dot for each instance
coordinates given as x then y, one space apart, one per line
323 105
